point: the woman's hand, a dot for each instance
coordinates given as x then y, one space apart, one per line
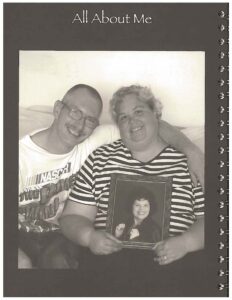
170 250
102 242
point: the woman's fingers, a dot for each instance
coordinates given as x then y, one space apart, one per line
112 238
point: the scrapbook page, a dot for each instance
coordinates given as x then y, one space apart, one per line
116 147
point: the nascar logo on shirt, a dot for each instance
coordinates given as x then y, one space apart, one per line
48 176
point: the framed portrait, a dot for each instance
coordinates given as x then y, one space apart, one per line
139 209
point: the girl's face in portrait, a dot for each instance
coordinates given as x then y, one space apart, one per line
141 209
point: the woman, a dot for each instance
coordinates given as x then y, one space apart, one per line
141 151
139 226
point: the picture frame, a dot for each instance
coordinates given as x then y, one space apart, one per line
139 209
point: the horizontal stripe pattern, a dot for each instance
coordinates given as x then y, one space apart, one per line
92 185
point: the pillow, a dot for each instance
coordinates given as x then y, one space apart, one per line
33 118
197 135
41 116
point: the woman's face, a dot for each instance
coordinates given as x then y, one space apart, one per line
137 123
141 209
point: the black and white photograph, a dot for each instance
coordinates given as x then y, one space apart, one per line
115 153
79 130
139 210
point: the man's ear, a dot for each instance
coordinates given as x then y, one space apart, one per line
157 115
57 109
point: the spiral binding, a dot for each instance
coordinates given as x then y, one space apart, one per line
223 96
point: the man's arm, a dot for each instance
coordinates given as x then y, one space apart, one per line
178 140
175 248
77 224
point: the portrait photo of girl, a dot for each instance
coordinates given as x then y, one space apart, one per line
140 225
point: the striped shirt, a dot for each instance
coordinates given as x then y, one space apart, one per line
92 185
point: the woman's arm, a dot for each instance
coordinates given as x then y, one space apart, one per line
178 140
194 238
175 248
76 222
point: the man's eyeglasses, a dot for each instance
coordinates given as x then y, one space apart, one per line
78 115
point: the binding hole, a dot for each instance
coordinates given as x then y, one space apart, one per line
221 27
221 14
221 191
221 68
221 177
221 123
221 82
221 231
221 246
221 109
221 150
221 273
221 218
221 136
221 54
221 286
221 95
221 164
221 204
221 259
221 41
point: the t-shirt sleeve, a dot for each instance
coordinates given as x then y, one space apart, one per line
82 191
199 200
103 134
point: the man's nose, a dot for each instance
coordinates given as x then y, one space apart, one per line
81 123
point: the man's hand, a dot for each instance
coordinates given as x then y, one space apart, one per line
170 250
196 164
103 243
177 139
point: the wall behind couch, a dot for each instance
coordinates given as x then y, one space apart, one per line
176 78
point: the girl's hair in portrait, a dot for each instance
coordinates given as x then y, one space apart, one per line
139 193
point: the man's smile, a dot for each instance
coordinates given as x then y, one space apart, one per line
73 131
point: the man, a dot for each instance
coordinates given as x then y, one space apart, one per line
48 162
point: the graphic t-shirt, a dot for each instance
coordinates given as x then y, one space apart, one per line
44 177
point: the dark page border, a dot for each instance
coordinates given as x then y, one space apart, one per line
175 27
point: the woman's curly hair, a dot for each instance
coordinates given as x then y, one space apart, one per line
144 94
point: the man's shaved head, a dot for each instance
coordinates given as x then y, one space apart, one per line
86 87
